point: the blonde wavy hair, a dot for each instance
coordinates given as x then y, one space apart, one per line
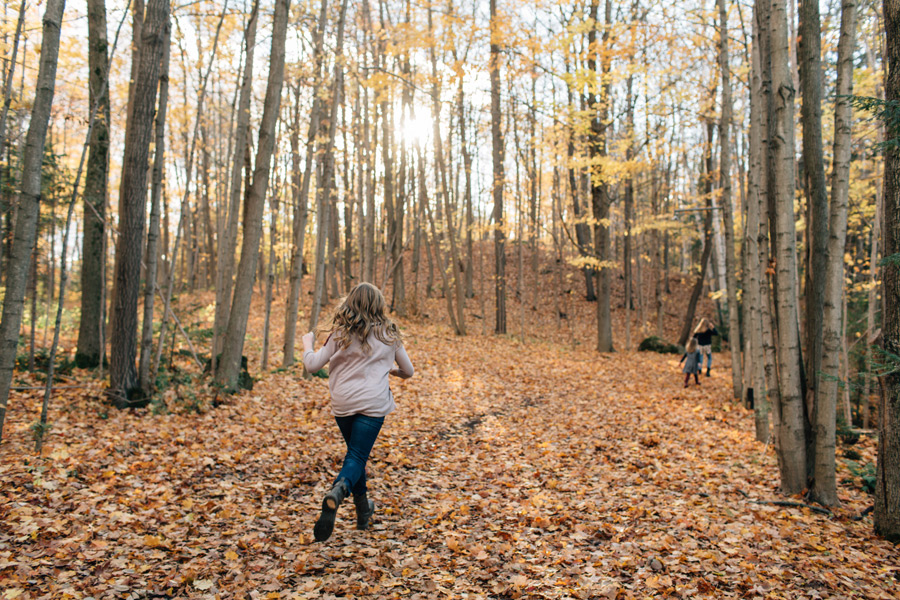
361 314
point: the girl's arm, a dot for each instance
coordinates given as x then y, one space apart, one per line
405 369
314 361
683 356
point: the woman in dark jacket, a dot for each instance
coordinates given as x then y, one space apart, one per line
703 333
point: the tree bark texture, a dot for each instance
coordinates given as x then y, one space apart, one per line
93 259
152 255
132 206
754 277
225 263
887 482
824 488
29 200
792 438
300 191
728 220
227 374
809 63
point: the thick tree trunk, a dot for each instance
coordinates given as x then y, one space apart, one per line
29 200
227 374
152 255
497 153
792 437
93 261
809 64
734 326
887 481
123 374
824 488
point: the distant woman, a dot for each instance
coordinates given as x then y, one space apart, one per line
703 333
362 346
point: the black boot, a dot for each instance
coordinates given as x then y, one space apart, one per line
325 525
707 371
365 508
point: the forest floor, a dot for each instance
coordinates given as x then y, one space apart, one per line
510 469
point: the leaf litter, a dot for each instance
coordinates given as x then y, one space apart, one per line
508 471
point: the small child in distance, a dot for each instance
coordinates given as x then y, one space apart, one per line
692 360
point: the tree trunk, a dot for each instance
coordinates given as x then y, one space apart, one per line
29 200
809 64
300 190
754 276
274 195
792 436
600 201
132 206
629 210
688 325
225 262
93 261
152 255
728 220
326 187
497 154
227 374
887 481
824 488
444 194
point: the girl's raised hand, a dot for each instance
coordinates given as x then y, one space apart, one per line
309 340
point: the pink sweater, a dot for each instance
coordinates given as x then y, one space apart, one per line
359 381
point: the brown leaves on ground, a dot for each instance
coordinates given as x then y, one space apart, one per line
508 471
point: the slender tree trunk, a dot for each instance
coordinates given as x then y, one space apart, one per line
734 326
754 276
232 349
132 206
326 191
89 352
810 69
497 153
629 210
225 263
29 200
688 325
792 437
7 85
824 488
444 194
274 196
300 190
152 256
600 201
299 180
436 244
887 479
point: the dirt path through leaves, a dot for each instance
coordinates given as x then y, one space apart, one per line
508 471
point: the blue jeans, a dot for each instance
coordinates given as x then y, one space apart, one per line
359 433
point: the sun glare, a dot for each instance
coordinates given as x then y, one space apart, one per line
416 130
